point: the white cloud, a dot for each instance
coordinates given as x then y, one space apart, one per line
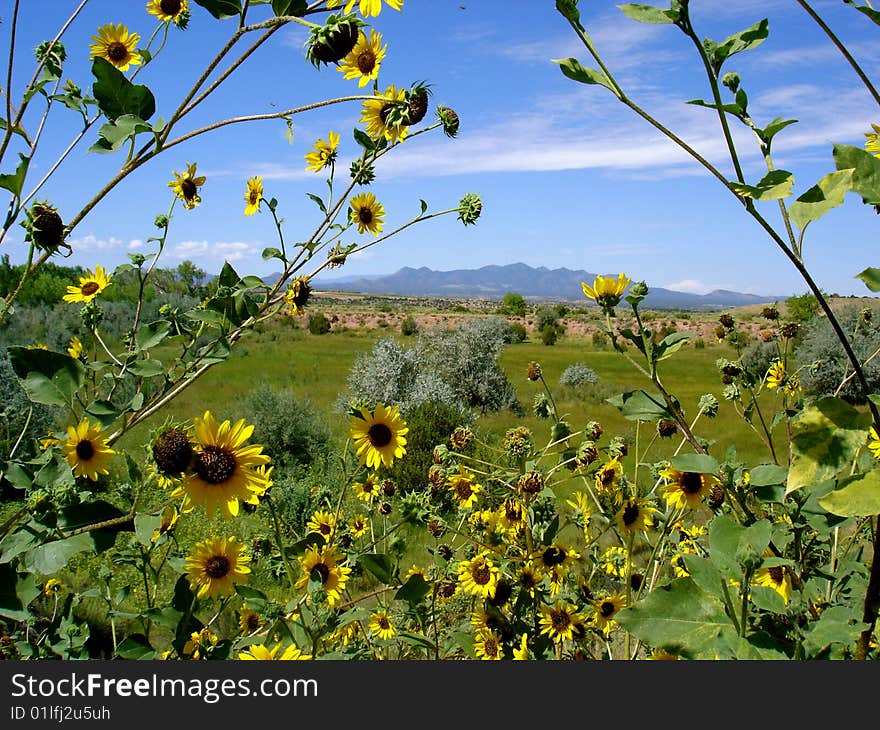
135 244
91 243
695 286
214 251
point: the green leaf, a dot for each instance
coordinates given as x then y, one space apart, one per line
679 617
272 253
825 439
836 625
13 183
144 527
767 475
103 411
414 590
725 536
53 556
704 574
869 11
48 377
136 646
826 194
289 7
871 278
637 405
17 590
221 9
766 599
117 96
699 463
379 565
648 13
228 277
734 109
146 368
745 40
364 140
865 171
859 496
573 69
113 135
771 130
670 344
320 203
773 186
151 335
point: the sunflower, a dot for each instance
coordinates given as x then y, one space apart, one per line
264 653
87 451
367 213
776 375
324 565
560 621
375 113
686 489
53 585
777 577
323 153
874 443
249 621
345 634
378 435
358 525
528 579
215 564
464 488
488 646
616 562
198 641
478 576
89 287
186 186
635 515
521 652
872 141
75 347
323 523
253 195
581 504
555 559
224 469
368 8
511 516
606 291
115 44
168 10
608 474
606 608
368 489
365 58
381 626
169 518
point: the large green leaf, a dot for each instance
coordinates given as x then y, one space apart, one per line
649 13
865 171
704 574
858 497
112 135
866 9
13 182
870 277
731 542
117 96
637 405
826 194
379 565
221 9
572 68
53 556
679 617
699 463
825 439
414 590
136 646
48 377
17 590
289 7
836 625
151 335
773 186
745 40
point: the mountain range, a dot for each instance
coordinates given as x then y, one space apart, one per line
534 284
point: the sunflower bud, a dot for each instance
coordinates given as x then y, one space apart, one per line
709 405
618 447
449 119
587 453
416 103
731 80
533 372
790 330
593 430
52 55
666 428
541 405
561 430
531 483
469 209
362 172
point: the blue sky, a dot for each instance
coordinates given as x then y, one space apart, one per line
568 176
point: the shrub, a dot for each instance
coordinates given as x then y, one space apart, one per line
319 324
578 375
599 340
758 356
408 326
802 308
519 332
513 304
699 343
287 427
549 335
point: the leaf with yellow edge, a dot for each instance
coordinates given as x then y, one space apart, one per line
858 497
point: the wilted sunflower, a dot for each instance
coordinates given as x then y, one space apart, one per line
225 468
323 153
607 475
323 564
368 8
776 577
264 653
478 576
323 523
87 451
606 291
606 609
686 489
560 621
186 186
365 58
253 195
376 113
168 10
381 626
90 285
379 436
367 213
488 646
115 44
464 488
635 515
215 565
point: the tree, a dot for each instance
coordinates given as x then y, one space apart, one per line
513 304
191 275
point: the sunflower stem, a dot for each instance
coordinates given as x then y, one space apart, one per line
280 540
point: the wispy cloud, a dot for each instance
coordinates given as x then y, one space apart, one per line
695 286
214 250
91 243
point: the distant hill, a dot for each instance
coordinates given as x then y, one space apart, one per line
535 284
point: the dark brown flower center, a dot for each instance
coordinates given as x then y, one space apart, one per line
384 112
366 61
323 572
691 482
553 556
254 197
481 574
607 477
379 434
215 465
188 189
365 216
117 52
172 451
463 489
384 623
490 646
325 528
252 622
776 574
527 580
89 288
630 514
170 7
85 450
560 620
607 609
217 566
